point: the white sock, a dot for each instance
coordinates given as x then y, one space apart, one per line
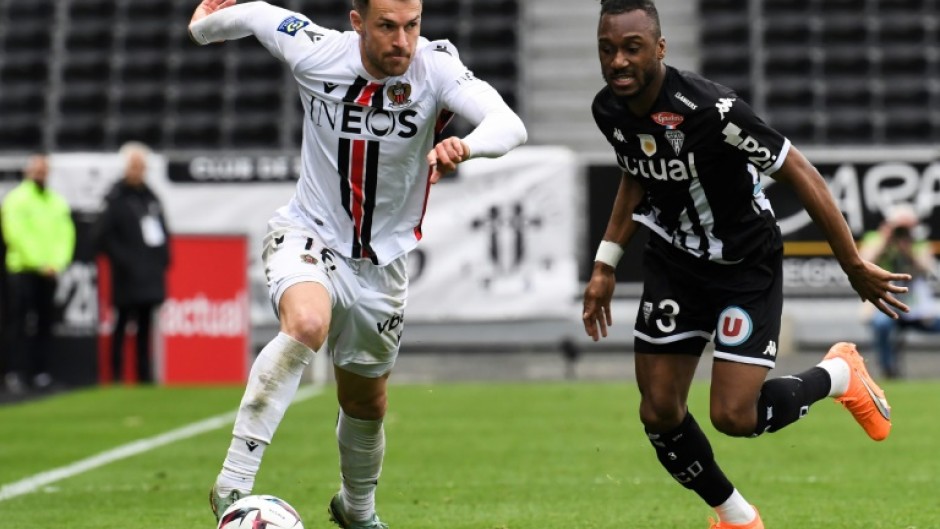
272 383
361 451
240 466
736 510
839 372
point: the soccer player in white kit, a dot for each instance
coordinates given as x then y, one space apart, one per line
335 255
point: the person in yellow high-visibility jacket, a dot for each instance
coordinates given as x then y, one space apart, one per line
40 240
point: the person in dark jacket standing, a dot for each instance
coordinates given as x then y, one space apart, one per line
135 238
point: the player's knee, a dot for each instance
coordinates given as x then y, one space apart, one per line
309 328
733 422
661 415
370 408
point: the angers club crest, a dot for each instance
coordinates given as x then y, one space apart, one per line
675 138
399 94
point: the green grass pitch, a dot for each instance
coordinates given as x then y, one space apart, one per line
481 456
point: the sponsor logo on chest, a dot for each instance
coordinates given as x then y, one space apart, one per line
357 119
762 157
671 121
676 169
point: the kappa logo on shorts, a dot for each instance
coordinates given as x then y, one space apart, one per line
734 326
309 259
291 25
771 349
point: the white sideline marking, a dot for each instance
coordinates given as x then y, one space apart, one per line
35 482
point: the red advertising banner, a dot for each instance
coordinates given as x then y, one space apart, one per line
204 327
202 333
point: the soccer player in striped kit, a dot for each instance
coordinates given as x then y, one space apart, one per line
374 100
692 154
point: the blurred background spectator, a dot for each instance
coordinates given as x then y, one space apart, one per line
40 238
133 233
3 291
900 244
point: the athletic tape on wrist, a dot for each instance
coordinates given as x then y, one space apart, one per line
609 253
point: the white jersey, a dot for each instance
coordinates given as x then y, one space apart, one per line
364 180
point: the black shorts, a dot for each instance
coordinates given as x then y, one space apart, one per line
687 301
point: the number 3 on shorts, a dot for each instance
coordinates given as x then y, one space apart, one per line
668 309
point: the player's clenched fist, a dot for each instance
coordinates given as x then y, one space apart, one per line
445 156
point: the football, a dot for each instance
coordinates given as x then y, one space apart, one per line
260 511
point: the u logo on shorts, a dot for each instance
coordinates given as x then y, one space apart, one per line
734 326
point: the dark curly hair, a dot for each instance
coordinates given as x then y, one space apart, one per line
616 7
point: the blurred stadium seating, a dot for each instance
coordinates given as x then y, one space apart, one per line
831 72
91 74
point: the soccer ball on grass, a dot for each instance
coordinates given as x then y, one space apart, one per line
260 511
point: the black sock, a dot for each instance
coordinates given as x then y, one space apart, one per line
686 454
785 400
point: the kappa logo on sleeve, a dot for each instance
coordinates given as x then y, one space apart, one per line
291 25
724 105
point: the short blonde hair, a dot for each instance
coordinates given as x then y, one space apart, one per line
134 147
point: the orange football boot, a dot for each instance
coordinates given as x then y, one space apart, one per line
756 523
864 399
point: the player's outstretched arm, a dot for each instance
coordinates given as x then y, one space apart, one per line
596 315
276 28
871 282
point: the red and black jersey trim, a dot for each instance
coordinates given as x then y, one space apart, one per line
365 93
443 119
358 165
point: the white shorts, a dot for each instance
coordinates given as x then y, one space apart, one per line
368 300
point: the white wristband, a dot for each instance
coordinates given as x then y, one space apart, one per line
609 253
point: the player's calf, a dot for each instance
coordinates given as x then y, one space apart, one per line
787 399
687 455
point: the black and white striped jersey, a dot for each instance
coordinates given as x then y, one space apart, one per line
699 155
